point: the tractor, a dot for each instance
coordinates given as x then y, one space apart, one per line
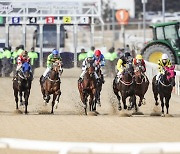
166 39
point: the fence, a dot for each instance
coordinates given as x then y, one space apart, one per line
152 71
92 147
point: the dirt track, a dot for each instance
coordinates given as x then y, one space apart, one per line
68 123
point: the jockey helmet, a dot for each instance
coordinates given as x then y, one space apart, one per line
55 52
89 54
97 53
139 57
127 54
164 56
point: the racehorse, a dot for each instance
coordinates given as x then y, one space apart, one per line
22 85
125 86
164 87
141 83
88 87
51 85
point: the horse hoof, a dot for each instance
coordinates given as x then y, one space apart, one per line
162 115
56 105
129 108
156 103
119 108
139 104
125 107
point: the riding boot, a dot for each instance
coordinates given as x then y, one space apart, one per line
42 79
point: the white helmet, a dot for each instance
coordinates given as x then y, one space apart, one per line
164 56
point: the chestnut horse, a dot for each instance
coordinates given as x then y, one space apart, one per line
88 87
22 85
164 87
51 85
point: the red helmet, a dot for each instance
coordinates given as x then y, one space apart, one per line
97 53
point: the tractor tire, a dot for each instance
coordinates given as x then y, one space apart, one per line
154 52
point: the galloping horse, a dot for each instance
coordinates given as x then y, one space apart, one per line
51 85
126 87
88 87
164 87
22 84
142 83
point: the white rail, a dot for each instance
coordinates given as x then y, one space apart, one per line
78 147
152 70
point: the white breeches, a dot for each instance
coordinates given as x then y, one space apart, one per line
46 71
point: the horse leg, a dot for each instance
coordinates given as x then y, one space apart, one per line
26 97
16 98
53 102
93 102
57 100
134 102
140 100
162 104
155 91
20 95
167 104
119 99
84 100
124 102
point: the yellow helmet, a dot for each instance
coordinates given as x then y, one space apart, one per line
139 57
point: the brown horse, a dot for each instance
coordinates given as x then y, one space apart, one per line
141 85
126 87
51 85
164 87
22 84
88 87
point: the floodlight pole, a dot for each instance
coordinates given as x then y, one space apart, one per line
144 19
163 10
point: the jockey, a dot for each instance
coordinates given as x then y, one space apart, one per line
84 65
121 64
53 57
23 57
99 61
139 61
163 62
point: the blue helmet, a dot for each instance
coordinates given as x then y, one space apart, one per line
55 52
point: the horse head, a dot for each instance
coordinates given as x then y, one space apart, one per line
90 68
129 68
55 70
170 74
26 70
138 73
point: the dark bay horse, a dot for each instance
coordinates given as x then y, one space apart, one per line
51 85
22 85
126 87
141 83
88 87
164 87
